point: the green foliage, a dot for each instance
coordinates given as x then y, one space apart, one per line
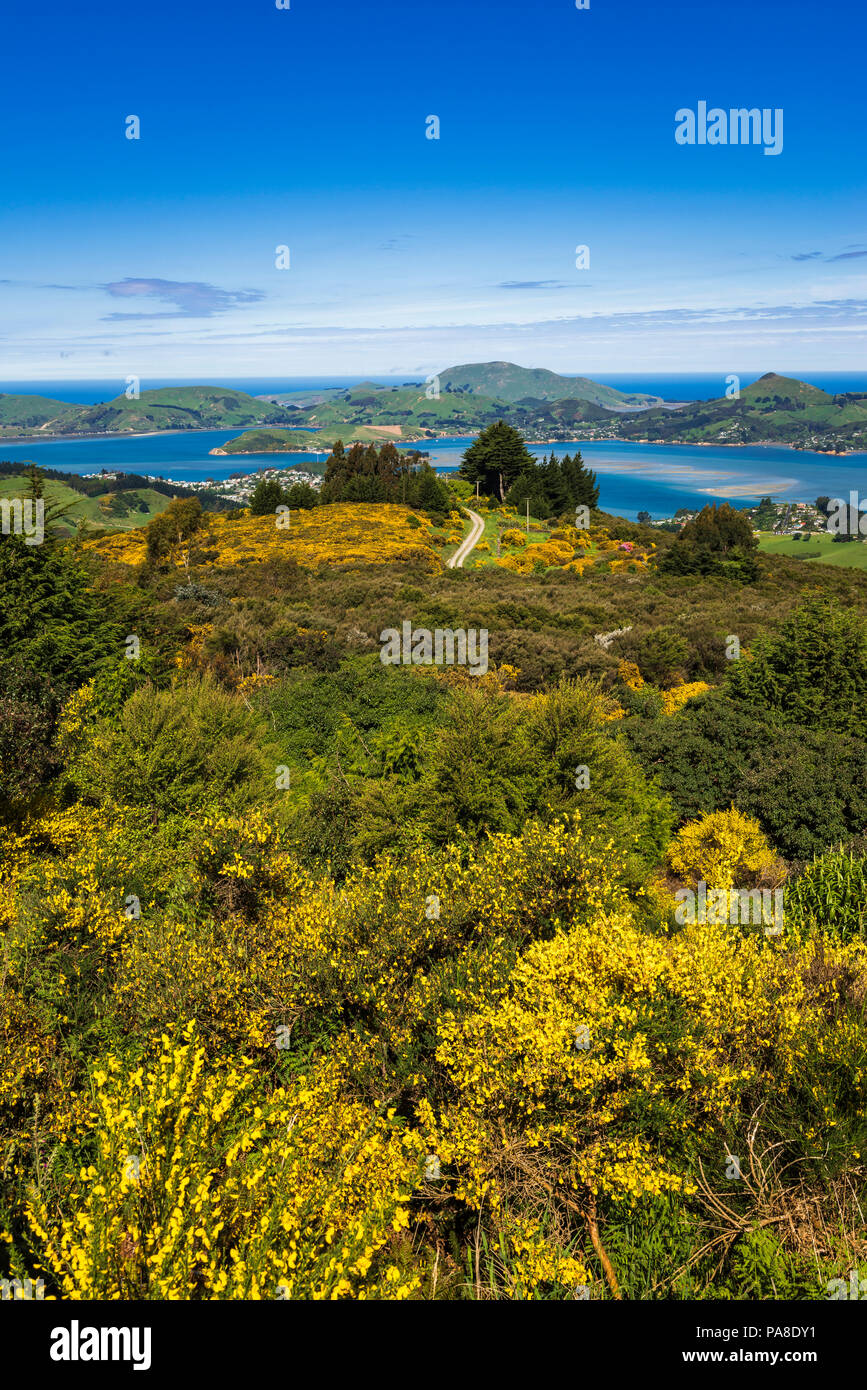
830 895
51 620
395 758
718 541
812 672
534 822
369 474
269 494
496 459
807 789
267 497
29 705
554 486
174 531
301 496
177 751
661 655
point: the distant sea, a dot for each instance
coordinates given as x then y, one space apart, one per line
683 386
657 478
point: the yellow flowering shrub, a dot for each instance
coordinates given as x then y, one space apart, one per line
503 1013
547 1077
725 849
548 553
628 672
197 1185
676 698
341 533
192 657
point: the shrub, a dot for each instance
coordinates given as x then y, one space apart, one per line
830 895
514 537
807 789
812 672
170 750
718 541
725 849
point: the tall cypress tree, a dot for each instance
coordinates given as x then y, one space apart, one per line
496 459
580 481
336 473
555 485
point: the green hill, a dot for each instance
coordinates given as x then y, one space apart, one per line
775 392
507 382
304 441
119 510
118 501
32 410
19 413
775 408
407 407
169 408
275 442
540 403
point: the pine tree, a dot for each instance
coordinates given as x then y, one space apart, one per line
496 459
336 473
581 482
267 497
429 492
555 485
529 485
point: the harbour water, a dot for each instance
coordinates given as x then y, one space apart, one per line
658 478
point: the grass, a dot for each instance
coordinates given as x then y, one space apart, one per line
822 549
495 520
109 511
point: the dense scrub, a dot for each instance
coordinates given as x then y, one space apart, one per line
324 979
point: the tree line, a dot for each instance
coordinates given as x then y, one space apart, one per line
500 462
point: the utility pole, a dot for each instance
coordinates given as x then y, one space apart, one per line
528 516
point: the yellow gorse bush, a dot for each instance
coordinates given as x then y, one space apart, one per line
676 698
341 533
514 537
628 672
529 1033
198 1186
725 849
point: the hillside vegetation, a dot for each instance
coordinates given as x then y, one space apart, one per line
169 408
330 977
462 401
506 382
773 408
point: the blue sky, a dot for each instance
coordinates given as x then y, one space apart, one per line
306 127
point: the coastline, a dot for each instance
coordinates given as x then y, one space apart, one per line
41 438
260 454
121 434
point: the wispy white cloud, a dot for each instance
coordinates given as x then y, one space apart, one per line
194 298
